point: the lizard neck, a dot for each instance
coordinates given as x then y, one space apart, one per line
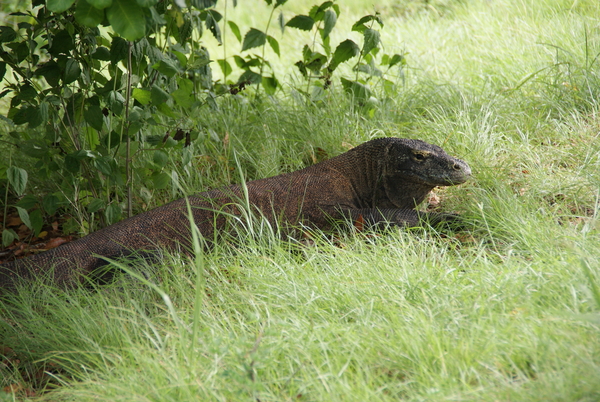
362 167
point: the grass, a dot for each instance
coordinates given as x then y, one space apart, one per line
506 311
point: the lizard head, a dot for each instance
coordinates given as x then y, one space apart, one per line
423 163
412 168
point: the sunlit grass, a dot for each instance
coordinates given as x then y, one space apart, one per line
503 311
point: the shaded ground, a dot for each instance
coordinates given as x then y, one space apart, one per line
51 236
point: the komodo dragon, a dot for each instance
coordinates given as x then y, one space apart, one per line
382 180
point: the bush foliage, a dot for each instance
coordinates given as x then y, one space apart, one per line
103 94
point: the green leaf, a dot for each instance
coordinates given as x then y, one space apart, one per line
397 58
183 95
212 19
20 51
253 38
7 34
166 110
274 44
225 66
239 61
166 67
147 3
118 50
141 95
158 19
72 164
158 96
95 205
160 158
100 4
161 180
101 53
270 84
327 46
181 58
312 60
8 236
116 102
368 69
50 204
24 24
62 43
343 52
302 67
250 76
127 19
42 113
34 115
303 22
185 31
2 70
58 6
135 115
360 26
186 156
203 4
330 19
111 139
88 15
17 178
280 3
36 221
26 92
201 59
242 63
94 117
27 202
21 116
112 213
36 148
358 91
104 164
318 12
91 136
371 40
235 29
24 215
281 22
72 71
51 71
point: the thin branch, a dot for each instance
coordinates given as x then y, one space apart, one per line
128 175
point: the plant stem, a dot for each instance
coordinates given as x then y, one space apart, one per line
225 43
6 197
262 62
128 175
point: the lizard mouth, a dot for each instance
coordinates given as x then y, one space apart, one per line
457 172
452 180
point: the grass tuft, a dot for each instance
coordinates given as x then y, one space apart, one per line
505 310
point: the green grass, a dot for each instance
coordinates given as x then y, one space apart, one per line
506 311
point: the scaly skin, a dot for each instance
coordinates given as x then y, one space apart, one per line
380 181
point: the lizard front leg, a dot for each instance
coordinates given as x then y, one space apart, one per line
400 217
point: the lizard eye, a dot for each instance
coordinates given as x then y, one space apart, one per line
419 156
